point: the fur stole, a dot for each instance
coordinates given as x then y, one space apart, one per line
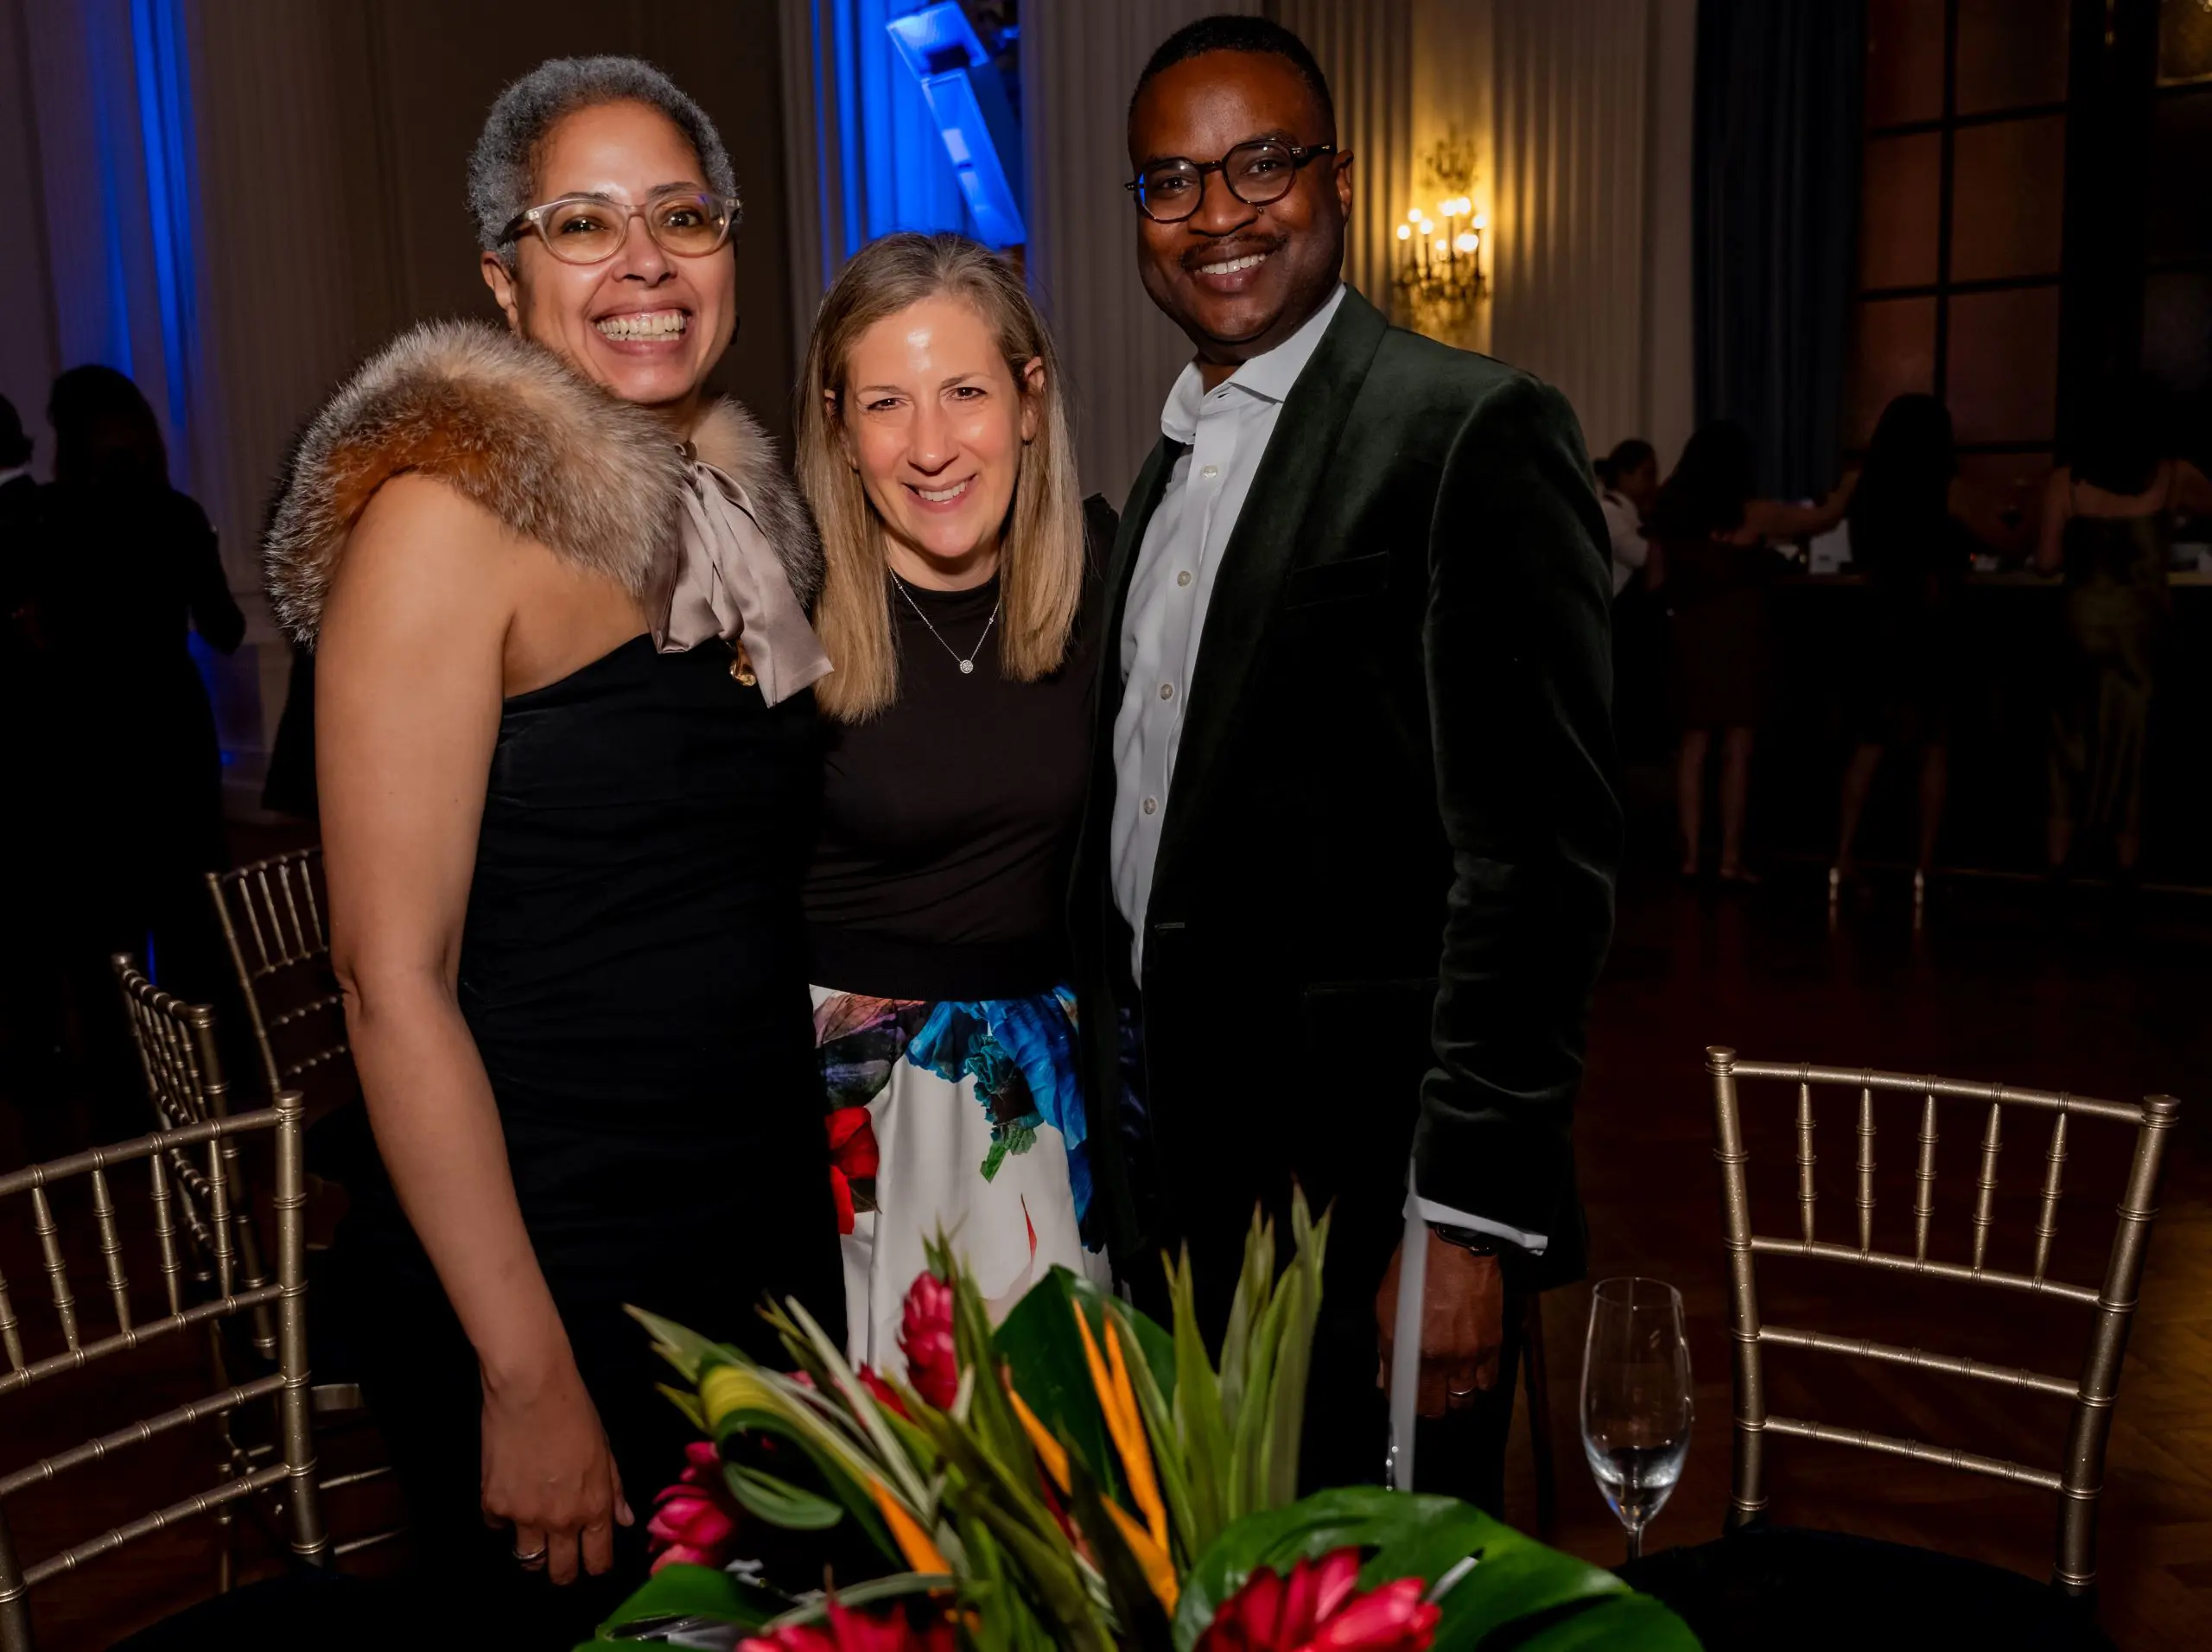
552 455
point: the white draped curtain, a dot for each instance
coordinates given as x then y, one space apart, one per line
1079 63
1569 223
1366 50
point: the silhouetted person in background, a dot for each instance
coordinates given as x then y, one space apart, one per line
127 568
27 999
1628 486
1915 524
1712 537
2107 520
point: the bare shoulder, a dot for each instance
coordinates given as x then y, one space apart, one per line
421 552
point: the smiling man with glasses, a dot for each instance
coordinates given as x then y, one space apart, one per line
1346 879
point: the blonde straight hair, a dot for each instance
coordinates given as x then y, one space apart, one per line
1041 549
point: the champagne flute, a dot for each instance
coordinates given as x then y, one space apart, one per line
1636 1398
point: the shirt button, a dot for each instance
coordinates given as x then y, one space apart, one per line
1210 470
1167 691
1183 578
1152 805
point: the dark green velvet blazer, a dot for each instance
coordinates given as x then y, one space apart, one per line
1384 887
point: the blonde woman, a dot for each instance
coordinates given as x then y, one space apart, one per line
960 609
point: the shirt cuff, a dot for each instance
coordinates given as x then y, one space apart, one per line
1430 1210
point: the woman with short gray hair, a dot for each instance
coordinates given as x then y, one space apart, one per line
566 750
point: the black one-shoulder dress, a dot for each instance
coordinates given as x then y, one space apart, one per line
633 973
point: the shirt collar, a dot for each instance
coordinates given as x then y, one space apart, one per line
1268 377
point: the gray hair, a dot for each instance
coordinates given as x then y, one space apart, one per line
501 171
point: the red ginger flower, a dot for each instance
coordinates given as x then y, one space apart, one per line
1314 1610
694 1519
926 1336
890 1631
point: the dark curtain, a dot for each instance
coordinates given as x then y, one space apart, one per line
1776 205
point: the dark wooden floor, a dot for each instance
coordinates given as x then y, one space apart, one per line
1991 987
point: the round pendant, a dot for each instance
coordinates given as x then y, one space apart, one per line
967 667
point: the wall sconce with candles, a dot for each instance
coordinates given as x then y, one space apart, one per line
1440 266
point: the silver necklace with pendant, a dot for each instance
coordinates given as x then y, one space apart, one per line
967 665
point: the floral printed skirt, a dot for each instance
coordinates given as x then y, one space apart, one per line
965 1115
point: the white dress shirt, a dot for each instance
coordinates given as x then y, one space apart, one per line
1225 433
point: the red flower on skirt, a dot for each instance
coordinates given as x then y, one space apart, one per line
852 1156
1315 1610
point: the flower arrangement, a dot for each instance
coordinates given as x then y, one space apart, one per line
1078 1477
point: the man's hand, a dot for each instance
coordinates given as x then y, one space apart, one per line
1462 1326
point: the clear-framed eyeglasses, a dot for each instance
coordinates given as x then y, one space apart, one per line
590 229
1169 191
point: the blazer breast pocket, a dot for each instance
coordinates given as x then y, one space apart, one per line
1343 581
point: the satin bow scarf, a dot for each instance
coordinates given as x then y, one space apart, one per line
729 582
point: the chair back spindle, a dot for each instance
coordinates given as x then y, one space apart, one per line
2079 1479
183 1068
272 914
291 1479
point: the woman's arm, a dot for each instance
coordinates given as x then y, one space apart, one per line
215 614
1778 519
409 680
2057 506
2192 492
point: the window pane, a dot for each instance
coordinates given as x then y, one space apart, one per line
2012 52
1892 350
2178 215
1905 61
1902 201
2004 376
2008 197
2177 329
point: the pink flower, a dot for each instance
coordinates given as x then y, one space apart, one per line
889 1632
931 1365
1315 1610
694 1520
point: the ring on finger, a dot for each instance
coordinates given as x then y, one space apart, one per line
533 1561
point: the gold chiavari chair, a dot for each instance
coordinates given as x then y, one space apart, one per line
184 1081
177 1049
272 917
209 1146
2078 1479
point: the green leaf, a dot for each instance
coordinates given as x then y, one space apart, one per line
1246 1308
1616 1624
841 1484
1166 1446
687 1403
1197 1416
1044 1355
682 1347
692 1592
1402 1534
1141 1621
1246 1453
778 1502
